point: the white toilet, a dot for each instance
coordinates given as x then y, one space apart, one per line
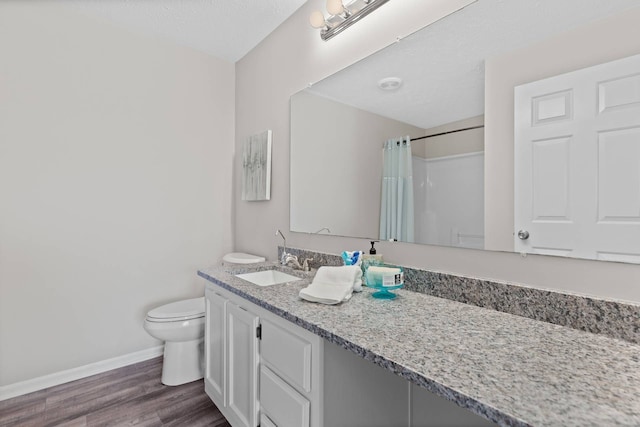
180 325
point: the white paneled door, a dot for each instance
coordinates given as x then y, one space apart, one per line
577 163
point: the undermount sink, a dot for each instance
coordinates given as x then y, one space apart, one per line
267 277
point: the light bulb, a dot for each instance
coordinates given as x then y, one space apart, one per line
316 19
335 7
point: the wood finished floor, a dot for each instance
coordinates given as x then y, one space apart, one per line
129 396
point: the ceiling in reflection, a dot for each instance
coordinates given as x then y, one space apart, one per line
443 68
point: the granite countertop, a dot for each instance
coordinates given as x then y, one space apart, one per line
509 369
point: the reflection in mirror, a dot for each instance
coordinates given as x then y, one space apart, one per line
454 97
566 128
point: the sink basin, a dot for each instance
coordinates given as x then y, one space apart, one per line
267 277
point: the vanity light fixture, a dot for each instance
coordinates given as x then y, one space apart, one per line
342 16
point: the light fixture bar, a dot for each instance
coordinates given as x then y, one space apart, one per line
358 9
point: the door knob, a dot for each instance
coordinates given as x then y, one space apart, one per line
523 235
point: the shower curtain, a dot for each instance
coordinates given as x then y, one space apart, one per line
396 206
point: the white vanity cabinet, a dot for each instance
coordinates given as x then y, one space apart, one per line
215 375
231 358
242 365
260 369
290 374
264 370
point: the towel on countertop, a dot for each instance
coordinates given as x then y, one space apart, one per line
333 285
347 274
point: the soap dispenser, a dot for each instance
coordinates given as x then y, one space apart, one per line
373 254
372 258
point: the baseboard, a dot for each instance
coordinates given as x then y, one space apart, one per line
57 378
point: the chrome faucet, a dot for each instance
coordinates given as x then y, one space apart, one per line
287 258
292 259
293 262
283 258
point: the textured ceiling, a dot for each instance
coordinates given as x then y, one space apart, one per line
227 29
442 65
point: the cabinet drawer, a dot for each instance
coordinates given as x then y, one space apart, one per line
288 354
283 405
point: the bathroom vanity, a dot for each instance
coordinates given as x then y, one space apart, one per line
260 369
274 359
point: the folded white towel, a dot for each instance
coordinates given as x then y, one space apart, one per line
346 274
327 293
332 285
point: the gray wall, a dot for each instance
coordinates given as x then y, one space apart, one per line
115 159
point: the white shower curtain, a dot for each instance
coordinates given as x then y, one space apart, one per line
396 207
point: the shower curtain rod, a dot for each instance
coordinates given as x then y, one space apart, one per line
448 132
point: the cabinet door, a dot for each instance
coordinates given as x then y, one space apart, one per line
242 366
214 347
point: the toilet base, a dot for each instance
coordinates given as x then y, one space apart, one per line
183 362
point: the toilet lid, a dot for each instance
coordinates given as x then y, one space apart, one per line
179 310
242 258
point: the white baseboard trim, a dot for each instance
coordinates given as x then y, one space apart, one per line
57 378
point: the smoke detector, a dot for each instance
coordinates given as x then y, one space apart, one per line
390 83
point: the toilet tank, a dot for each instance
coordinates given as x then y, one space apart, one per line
241 258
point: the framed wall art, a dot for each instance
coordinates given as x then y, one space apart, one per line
256 167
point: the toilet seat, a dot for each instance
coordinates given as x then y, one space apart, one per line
242 258
178 311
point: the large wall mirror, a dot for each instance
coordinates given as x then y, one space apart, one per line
507 125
